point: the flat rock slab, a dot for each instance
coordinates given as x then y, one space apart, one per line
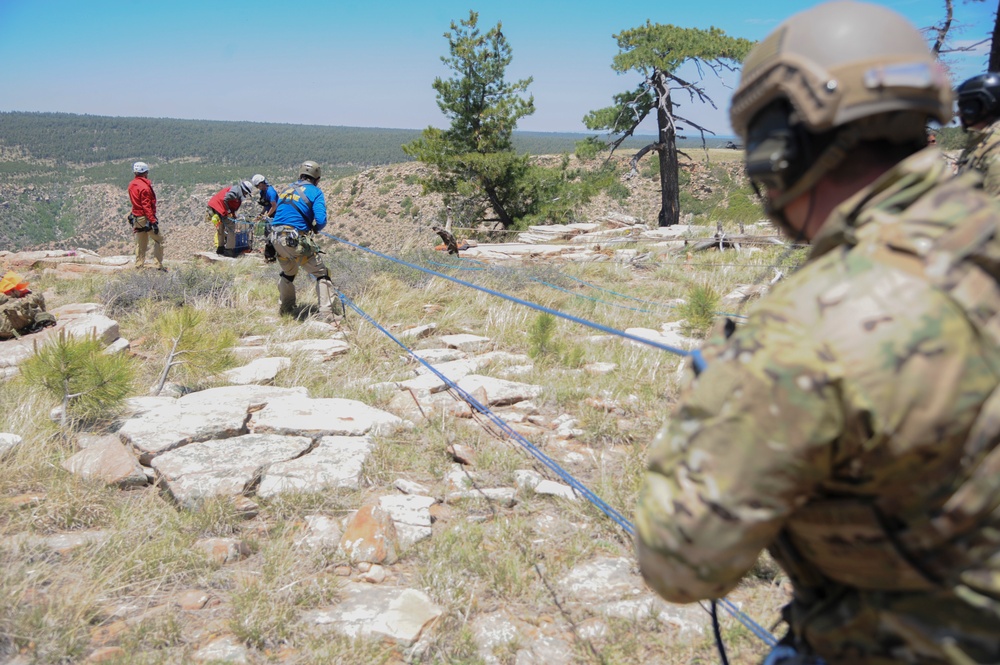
499 392
223 467
667 337
317 349
226 649
259 371
376 611
216 413
108 461
412 516
336 461
613 588
465 342
321 417
417 332
437 356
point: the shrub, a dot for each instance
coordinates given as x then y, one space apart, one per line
699 310
543 346
191 284
90 384
197 350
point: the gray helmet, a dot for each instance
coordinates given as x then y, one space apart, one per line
246 187
311 169
827 78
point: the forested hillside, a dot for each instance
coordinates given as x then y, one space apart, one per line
64 176
86 139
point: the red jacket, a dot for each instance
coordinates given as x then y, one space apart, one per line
226 201
140 192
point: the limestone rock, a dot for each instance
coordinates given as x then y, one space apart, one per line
208 414
411 515
465 342
322 532
336 461
223 550
223 467
109 462
366 611
226 649
499 392
321 417
8 442
315 349
259 371
370 535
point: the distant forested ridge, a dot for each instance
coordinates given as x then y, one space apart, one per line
91 139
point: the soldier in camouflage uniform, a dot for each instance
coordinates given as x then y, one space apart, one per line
852 426
979 111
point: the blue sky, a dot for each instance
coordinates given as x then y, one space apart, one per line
356 63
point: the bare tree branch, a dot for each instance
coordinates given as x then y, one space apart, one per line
942 28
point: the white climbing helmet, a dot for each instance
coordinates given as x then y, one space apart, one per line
140 167
257 179
246 187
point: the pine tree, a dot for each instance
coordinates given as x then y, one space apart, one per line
90 385
475 157
657 52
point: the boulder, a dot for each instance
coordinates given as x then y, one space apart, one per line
108 461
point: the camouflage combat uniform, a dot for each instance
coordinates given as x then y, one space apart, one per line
841 429
982 153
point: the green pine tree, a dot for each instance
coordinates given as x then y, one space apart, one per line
475 157
90 385
656 52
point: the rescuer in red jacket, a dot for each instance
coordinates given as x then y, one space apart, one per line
145 224
221 212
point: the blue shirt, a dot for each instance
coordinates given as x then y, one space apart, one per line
298 213
267 197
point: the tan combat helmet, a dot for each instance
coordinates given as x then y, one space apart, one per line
827 78
311 169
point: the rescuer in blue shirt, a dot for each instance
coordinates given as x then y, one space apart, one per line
301 211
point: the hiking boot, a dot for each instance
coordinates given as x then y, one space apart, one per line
329 317
162 268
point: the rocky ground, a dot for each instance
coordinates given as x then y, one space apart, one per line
374 566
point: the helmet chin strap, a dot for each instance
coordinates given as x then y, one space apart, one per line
778 215
828 160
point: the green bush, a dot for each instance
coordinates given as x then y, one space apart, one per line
90 385
197 350
699 310
543 346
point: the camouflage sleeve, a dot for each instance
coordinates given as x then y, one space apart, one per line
748 441
991 173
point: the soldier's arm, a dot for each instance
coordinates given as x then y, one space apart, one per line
747 444
991 174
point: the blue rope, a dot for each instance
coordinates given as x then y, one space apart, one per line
762 633
580 295
696 357
591 298
499 422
